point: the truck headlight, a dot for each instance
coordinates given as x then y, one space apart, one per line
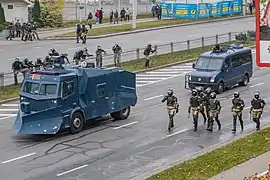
22 98
212 79
54 101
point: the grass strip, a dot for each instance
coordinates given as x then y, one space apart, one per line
142 25
68 24
11 91
177 56
212 163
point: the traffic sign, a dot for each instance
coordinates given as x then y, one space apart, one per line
154 1
81 7
262 33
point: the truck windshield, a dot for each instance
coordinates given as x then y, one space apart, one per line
40 89
209 63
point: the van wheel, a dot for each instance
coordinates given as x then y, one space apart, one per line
76 123
245 81
121 115
220 88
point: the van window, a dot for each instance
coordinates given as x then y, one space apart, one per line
246 57
101 90
65 88
209 63
236 60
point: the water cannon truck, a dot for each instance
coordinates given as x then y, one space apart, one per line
52 100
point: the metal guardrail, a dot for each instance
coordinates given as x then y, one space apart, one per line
8 78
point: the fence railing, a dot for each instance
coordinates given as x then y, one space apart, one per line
8 78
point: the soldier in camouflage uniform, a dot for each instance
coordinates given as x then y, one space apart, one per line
214 109
237 108
257 105
172 107
99 57
194 107
203 98
117 50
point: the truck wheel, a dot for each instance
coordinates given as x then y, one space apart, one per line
245 81
76 123
220 88
121 115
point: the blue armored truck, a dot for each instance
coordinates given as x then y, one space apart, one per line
56 99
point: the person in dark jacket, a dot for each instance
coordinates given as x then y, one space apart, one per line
90 20
116 16
123 14
78 32
18 27
111 16
84 34
148 50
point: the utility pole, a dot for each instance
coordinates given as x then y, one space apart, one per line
134 13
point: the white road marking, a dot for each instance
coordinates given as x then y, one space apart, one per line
187 66
18 158
10 105
145 81
8 109
154 97
75 48
8 117
257 84
38 47
153 75
171 72
178 132
175 69
141 78
263 173
125 125
247 107
69 171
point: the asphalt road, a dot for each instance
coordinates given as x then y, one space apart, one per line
124 150
10 50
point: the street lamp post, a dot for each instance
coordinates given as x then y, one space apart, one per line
134 13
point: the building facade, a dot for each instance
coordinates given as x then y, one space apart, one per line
15 10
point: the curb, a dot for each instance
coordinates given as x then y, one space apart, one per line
150 29
139 71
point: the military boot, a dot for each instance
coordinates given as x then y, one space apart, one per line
195 122
219 124
234 125
258 125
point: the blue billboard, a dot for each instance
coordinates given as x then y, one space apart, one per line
225 8
201 10
166 9
236 7
187 11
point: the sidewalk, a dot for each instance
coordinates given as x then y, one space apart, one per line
56 32
257 165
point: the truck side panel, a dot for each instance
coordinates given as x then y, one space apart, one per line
126 90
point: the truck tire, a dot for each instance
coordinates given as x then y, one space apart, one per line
220 88
121 115
76 123
245 81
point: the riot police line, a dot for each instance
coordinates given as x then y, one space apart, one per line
25 31
80 58
206 103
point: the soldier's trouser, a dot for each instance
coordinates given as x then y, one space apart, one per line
147 61
202 111
15 73
116 58
256 116
171 112
237 113
83 38
99 61
78 36
195 114
213 115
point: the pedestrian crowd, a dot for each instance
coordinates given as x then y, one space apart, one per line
25 31
256 176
